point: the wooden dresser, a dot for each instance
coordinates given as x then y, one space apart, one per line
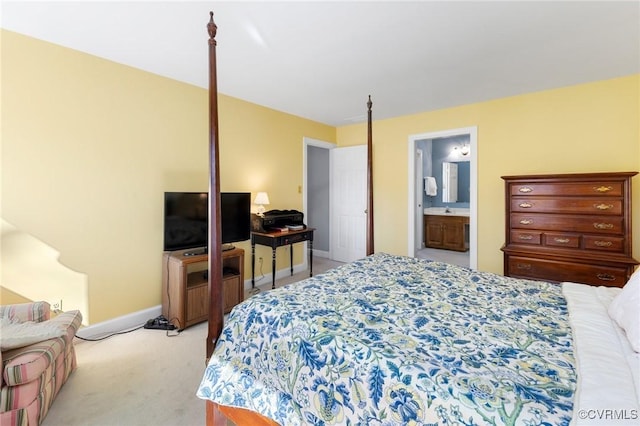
569 227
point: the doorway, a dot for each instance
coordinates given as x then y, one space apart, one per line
334 198
414 237
316 196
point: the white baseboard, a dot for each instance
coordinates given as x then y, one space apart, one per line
321 253
137 319
280 273
125 322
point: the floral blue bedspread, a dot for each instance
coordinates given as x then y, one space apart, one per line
391 340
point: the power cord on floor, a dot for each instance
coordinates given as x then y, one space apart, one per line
110 335
169 333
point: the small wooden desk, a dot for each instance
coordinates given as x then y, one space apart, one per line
279 239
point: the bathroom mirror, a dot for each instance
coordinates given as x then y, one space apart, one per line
449 182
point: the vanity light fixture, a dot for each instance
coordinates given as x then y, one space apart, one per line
461 150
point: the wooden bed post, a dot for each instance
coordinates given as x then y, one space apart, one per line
216 299
370 240
216 415
215 250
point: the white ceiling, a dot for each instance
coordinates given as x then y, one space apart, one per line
320 60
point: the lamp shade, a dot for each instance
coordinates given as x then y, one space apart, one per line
262 198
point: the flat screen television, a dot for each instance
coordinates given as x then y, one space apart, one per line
186 219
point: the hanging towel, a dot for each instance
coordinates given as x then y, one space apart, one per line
430 186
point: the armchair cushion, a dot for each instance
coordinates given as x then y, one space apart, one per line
15 334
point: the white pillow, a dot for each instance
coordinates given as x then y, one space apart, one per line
625 310
18 334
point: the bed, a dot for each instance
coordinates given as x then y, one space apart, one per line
398 340
394 340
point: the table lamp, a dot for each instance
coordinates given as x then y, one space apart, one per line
261 199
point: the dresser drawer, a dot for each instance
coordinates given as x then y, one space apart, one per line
610 244
612 225
604 189
605 206
526 237
558 271
561 240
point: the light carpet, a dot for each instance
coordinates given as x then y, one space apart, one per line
144 377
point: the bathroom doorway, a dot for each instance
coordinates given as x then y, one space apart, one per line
467 152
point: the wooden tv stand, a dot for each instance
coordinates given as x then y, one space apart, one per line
185 295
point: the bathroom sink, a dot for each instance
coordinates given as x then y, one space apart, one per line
443 211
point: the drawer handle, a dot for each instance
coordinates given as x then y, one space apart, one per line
525 189
606 277
603 206
526 221
525 237
561 240
525 205
526 266
603 225
602 188
603 243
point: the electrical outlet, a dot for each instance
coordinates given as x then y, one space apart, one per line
260 260
56 305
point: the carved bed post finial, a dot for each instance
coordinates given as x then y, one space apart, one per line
212 28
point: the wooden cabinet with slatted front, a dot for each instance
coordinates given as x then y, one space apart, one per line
569 227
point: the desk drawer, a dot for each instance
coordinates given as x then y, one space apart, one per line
295 238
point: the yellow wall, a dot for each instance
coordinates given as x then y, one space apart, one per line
586 128
89 147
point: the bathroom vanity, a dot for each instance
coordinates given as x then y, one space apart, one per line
446 228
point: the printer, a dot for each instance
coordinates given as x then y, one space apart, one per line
277 220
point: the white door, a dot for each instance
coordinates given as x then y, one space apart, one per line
419 210
348 203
